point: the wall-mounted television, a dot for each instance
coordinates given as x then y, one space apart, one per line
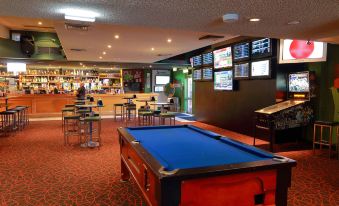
297 51
207 58
158 89
261 69
207 73
261 48
197 74
223 80
242 70
299 82
197 61
161 80
241 51
222 58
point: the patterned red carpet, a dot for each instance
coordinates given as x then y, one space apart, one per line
37 169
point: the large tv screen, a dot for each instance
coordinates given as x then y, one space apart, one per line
222 58
242 71
207 58
207 73
241 51
299 82
296 51
161 80
223 80
197 74
260 69
197 61
261 48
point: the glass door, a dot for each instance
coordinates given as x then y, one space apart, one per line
189 92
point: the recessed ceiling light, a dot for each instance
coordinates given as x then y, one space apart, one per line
150 66
80 63
152 48
109 46
40 23
104 53
254 19
116 36
169 40
293 22
100 57
79 15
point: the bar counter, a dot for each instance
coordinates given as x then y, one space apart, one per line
50 105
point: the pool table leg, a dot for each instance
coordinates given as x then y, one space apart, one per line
125 175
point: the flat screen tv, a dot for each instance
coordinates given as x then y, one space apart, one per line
242 71
298 51
241 51
158 88
161 80
299 82
197 74
197 61
207 58
261 48
261 69
207 73
222 58
223 80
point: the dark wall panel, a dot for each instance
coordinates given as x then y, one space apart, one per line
233 110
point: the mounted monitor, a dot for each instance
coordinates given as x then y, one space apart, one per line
223 80
222 58
298 51
197 74
261 48
261 69
241 51
207 74
197 61
161 80
242 70
207 58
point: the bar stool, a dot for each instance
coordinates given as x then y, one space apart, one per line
164 116
7 121
321 141
72 127
130 113
20 119
92 127
121 108
64 111
145 118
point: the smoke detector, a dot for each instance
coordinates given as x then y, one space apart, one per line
230 17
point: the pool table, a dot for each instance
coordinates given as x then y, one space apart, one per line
186 165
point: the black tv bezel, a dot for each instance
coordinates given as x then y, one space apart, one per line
202 74
223 90
202 59
197 66
269 70
228 67
249 71
309 82
244 58
258 56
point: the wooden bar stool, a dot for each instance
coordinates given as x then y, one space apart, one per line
164 116
145 118
92 130
321 141
121 108
130 113
64 111
71 127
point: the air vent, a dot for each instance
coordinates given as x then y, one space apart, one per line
77 50
211 37
164 55
79 27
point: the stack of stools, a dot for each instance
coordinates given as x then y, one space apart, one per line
145 118
71 127
117 107
164 116
8 121
130 113
321 141
65 111
20 117
94 130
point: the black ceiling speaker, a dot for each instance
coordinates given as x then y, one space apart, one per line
27 45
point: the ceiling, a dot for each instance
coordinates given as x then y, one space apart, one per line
143 24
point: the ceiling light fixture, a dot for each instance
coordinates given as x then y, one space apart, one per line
254 19
150 66
109 46
230 17
100 57
169 40
40 23
79 15
116 36
80 63
293 22
152 49
104 53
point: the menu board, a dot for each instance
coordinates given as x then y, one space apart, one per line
260 68
241 51
299 82
197 74
261 47
222 58
207 58
223 80
197 61
207 73
241 71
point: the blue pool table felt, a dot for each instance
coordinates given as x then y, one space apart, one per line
182 147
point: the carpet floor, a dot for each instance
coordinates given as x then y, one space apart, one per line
37 169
